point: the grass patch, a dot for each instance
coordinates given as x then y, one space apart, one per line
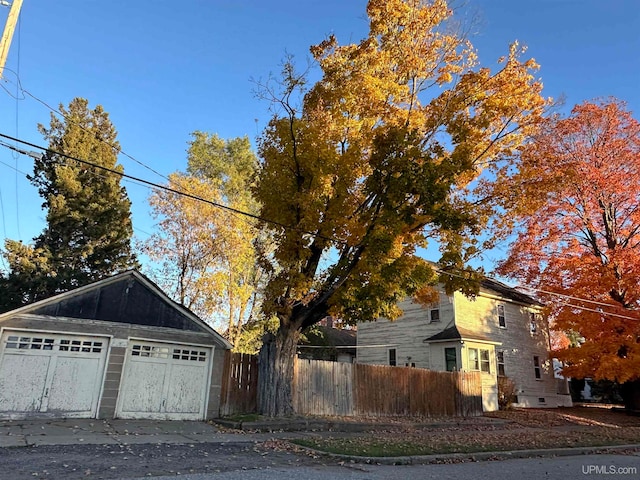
430 443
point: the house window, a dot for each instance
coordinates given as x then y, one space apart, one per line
479 360
434 315
501 318
500 362
533 322
536 367
451 359
392 357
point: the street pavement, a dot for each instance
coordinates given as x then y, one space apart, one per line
130 449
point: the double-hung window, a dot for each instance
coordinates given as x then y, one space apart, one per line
536 367
392 357
502 322
500 362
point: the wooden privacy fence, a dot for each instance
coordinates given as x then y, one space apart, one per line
239 384
346 389
332 388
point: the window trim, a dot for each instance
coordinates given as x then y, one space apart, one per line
437 315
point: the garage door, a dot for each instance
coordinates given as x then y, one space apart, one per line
164 381
53 375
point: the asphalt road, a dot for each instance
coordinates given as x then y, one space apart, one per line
245 461
559 468
71 462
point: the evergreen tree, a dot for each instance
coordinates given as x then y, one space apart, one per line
89 229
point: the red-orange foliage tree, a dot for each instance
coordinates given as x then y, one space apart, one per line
578 198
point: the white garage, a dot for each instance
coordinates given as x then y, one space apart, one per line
164 381
116 348
42 372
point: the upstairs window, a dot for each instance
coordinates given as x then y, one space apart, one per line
536 367
533 322
434 315
501 318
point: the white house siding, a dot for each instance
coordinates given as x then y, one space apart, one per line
405 335
518 344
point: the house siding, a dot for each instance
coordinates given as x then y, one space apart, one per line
406 335
479 317
518 344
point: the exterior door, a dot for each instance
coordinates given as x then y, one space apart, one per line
51 375
164 381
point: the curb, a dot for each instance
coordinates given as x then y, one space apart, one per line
475 457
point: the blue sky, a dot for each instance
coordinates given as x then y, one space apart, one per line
163 69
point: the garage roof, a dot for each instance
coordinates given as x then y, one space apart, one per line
129 297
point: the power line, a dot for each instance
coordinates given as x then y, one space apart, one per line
161 187
257 217
586 309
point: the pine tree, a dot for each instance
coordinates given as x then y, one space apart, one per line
89 229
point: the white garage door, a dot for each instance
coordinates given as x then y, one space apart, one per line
164 381
47 374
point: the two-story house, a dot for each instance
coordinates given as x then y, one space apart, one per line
501 332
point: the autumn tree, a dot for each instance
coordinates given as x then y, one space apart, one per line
379 156
207 254
578 201
88 231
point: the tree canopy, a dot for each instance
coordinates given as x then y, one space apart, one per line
378 157
578 201
88 231
208 255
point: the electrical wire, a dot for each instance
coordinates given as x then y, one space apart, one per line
257 217
161 187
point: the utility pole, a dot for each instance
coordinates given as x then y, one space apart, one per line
7 35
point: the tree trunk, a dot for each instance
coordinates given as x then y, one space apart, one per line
275 372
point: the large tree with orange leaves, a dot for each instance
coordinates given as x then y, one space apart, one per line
578 196
372 162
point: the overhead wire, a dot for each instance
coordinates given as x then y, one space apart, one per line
162 187
586 309
258 217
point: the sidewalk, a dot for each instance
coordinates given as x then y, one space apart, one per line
25 433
